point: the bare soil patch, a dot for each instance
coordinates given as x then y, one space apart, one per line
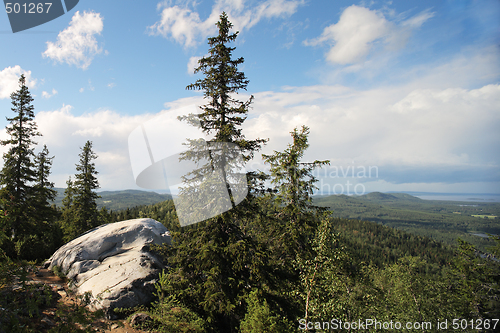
60 287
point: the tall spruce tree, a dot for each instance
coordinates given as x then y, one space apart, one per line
295 217
44 193
294 183
43 205
19 172
67 220
223 115
80 209
214 264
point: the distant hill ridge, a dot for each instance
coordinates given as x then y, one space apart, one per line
378 196
117 200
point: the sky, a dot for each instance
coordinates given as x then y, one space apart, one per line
398 95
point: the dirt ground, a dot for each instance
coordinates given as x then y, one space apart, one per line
60 285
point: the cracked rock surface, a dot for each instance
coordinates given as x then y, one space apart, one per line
112 262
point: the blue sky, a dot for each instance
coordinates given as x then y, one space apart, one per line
409 89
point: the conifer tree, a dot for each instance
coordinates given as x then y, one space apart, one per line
214 263
69 192
80 209
221 117
67 220
19 171
294 183
26 190
44 189
43 207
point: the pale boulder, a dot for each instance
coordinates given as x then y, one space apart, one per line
113 262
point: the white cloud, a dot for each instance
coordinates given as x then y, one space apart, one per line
181 24
9 80
77 45
81 90
64 133
417 20
49 95
192 64
439 128
111 85
412 136
185 26
359 29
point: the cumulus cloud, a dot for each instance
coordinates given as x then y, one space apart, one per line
65 133
359 29
49 95
9 80
426 132
192 64
439 129
410 135
77 44
184 25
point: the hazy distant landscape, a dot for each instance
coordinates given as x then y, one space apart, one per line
441 220
479 197
117 200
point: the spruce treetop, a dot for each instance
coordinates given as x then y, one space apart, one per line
22 126
86 179
19 171
223 115
294 179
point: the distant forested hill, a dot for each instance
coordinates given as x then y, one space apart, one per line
365 241
117 200
440 220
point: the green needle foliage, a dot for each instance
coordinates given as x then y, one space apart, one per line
26 191
80 212
85 185
223 115
259 318
19 171
294 184
214 264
